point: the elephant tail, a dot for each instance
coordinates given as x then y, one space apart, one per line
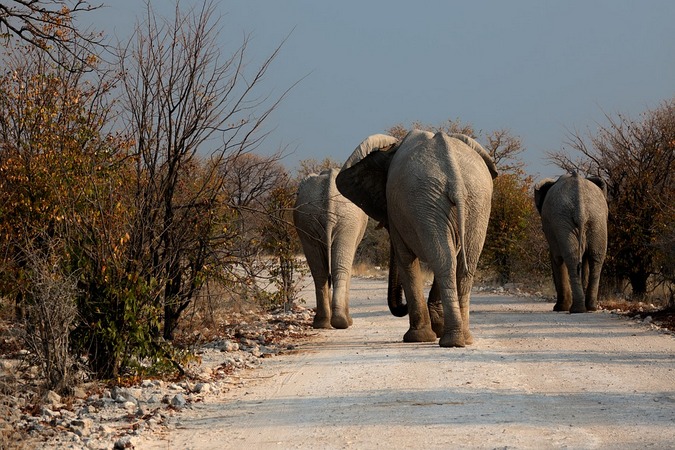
456 191
331 220
580 219
461 226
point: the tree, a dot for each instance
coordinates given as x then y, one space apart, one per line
281 241
181 97
311 165
51 133
514 247
449 127
249 177
637 160
57 162
505 150
49 26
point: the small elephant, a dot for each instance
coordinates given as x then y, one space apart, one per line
433 193
330 228
573 213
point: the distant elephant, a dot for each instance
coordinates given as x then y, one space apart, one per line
573 213
433 193
330 228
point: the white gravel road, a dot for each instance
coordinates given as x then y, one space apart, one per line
533 379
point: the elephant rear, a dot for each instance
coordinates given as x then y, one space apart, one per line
309 215
330 228
574 213
441 179
433 194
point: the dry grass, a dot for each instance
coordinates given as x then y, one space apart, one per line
208 314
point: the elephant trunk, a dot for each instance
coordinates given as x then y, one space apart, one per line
394 288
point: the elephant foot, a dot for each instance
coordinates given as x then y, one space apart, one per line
340 321
591 307
577 309
453 339
419 335
559 307
321 322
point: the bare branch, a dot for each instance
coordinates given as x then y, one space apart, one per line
50 26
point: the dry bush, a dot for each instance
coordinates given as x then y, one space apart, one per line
51 312
212 309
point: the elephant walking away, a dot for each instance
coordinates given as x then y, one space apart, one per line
433 193
330 228
573 213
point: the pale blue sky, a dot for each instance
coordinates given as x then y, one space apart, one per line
538 68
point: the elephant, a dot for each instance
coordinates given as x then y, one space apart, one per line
573 214
433 193
330 228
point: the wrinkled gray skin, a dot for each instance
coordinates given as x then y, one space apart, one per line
573 213
330 228
433 193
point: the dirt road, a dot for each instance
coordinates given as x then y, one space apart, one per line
533 379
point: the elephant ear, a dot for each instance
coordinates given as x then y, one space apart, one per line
540 191
370 144
599 182
365 183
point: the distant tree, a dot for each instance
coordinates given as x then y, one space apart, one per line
182 97
250 185
374 248
449 127
249 177
49 26
311 165
515 247
280 240
505 150
637 160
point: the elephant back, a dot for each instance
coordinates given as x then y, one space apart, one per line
475 146
310 202
571 197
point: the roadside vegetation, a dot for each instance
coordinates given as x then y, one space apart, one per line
137 192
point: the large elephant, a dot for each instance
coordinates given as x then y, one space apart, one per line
330 228
573 213
433 193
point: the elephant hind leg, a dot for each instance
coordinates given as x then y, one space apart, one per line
322 318
454 332
464 285
578 295
420 323
435 309
316 252
453 338
340 317
593 284
562 285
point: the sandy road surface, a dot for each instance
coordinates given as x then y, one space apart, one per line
533 379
